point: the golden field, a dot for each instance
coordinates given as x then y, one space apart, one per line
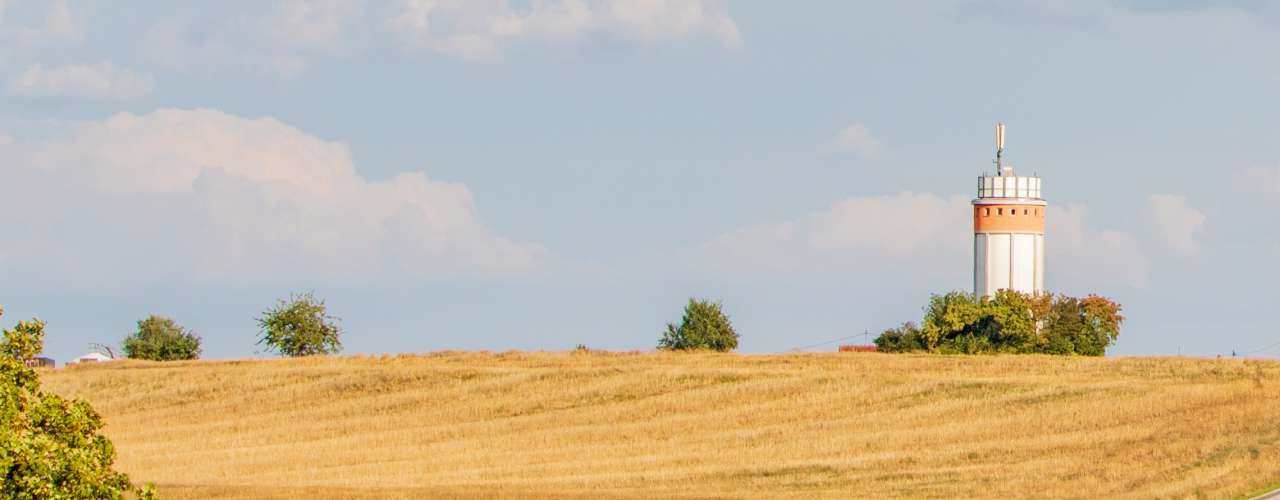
624 426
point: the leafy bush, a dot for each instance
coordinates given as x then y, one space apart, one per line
300 326
1082 326
905 338
49 446
1010 322
704 326
161 339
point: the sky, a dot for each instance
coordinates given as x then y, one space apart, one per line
539 174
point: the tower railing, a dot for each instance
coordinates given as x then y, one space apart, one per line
1003 186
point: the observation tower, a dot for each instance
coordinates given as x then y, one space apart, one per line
1008 230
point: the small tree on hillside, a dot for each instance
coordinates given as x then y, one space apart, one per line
905 338
161 339
49 446
704 326
1102 319
300 326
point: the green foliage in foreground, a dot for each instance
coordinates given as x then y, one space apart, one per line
50 447
704 326
1009 322
161 339
300 326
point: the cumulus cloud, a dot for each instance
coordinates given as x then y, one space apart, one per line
1084 257
1264 180
101 80
908 239
1177 221
286 40
478 29
204 197
34 22
281 43
312 24
175 44
857 139
890 239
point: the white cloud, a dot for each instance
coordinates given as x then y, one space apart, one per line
165 43
908 239
204 197
653 20
884 240
100 80
1086 258
285 41
1177 220
478 29
41 22
1264 180
282 43
312 24
175 44
857 139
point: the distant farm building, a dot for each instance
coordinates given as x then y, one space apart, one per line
40 363
93 357
857 348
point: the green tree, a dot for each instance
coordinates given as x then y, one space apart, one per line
1084 326
1102 319
1063 327
1010 322
50 447
161 339
949 316
704 326
300 326
905 338
24 341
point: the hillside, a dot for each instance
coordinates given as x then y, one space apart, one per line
558 425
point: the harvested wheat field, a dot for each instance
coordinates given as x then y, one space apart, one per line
601 425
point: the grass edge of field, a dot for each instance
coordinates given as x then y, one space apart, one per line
1272 487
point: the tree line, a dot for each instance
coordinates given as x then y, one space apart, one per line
302 326
1009 322
953 323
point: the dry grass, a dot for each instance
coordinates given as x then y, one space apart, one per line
579 426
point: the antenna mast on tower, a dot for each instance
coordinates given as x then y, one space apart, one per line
1000 149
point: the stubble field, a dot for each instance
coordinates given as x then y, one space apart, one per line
630 426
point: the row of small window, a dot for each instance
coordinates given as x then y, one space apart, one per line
986 211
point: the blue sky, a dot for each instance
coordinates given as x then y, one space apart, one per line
505 174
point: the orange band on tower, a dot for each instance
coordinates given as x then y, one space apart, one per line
1008 219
